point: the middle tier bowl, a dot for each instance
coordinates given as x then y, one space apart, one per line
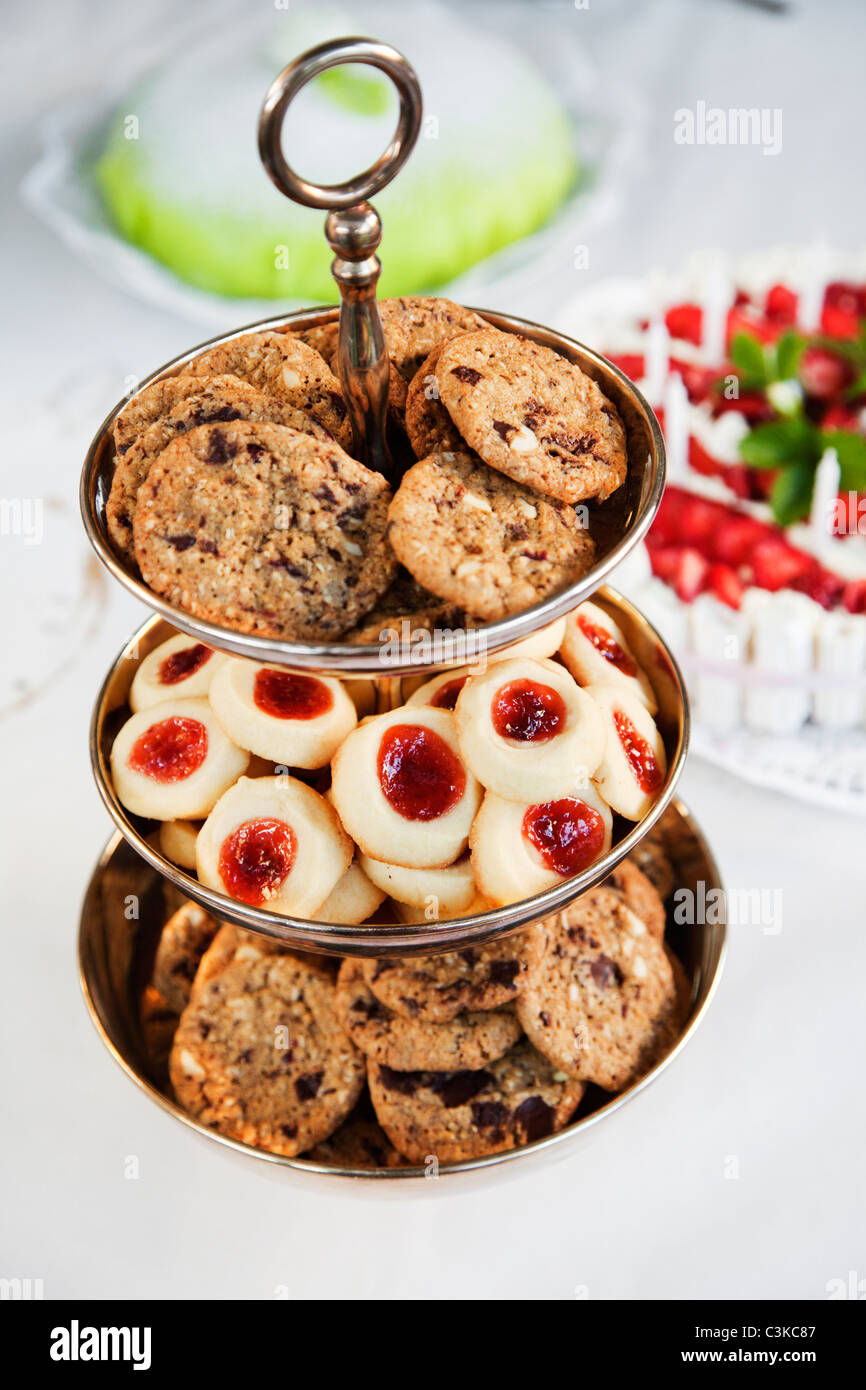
384 938
616 525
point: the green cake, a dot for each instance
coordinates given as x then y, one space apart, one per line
181 177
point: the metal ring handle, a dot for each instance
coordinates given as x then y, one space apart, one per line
290 81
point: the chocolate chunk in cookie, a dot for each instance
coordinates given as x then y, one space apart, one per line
603 993
264 530
475 538
468 1040
428 424
533 415
435 989
260 1055
465 1114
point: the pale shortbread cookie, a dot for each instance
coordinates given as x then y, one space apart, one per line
545 642
434 912
180 667
573 832
177 841
633 768
249 697
595 650
273 842
172 761
352 900
414 755
441 691
444 891
527 730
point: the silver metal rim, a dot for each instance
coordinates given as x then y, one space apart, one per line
571 1132
342 658
398 938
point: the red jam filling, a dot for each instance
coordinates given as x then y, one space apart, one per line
183 664
287 695
641 758
527 712
607 646
420 776
446 696
170 750
568 834
256 859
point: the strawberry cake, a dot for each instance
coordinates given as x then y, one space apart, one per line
755 567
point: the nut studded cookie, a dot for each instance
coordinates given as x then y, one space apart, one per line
264 530
475 538
260 1056
435 989
415 325
468 1040
465 1114
604 991
641 895
533 415
360 1142
173 406
428 424
652 858
282 365
184 939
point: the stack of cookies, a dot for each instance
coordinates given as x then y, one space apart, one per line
422 1059
236 495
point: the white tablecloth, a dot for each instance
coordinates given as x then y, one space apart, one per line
770 1087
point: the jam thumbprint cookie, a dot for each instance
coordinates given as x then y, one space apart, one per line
403 790
523 848
172 761
288 717
596 653
180 667
527 730
633 768
273 842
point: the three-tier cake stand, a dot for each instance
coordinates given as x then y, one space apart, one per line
115 947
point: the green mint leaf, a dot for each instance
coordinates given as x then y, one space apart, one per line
791 495
851 453
789 350
747 355
781 443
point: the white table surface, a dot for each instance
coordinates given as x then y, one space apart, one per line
773 1078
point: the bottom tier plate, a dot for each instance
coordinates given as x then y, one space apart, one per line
123 911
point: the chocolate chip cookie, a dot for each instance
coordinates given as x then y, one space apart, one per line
407 602
428 424
533 415
415 325
435 989
473 537
264 530
184 939
465 1114
602 994
259 1055
641 896
652 858
283 366
468 1040
171 407
360 1142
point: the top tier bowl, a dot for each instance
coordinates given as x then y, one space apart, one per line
616 525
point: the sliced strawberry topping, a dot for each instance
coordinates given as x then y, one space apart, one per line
821 585
781 304
840 417
775 564
683 567
854 596
632 363
823 374
754 406
746 319
725 583
698 381
685 321
736 537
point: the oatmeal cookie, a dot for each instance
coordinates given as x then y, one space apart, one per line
264 530
435 989
469 1040
428 424
533 415
171 407
455 1115
260 1056
284 366
184 939
603 992
473 537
